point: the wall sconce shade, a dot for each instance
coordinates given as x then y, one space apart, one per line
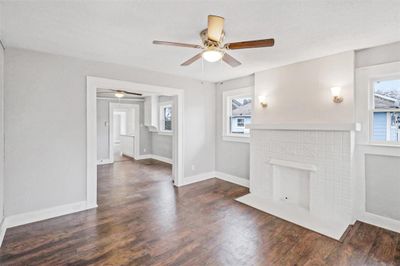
263 101
336 94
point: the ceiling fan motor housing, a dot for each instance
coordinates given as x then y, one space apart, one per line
210 43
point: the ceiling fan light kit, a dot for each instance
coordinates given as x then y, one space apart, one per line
213 47
119 94
212 55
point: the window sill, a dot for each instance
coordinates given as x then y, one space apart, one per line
374 144
244 139
165 133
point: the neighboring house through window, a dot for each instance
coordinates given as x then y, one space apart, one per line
237 106
386 111
166 117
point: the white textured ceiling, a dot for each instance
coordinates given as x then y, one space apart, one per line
122 31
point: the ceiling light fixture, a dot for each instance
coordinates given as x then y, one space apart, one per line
119 94
212 55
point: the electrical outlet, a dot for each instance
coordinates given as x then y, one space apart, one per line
193 167
144 150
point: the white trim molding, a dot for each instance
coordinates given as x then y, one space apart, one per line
309 126
380 221
154 157
296 165
197 178
104 161
232 179
3 229
226 113
44 214
161 158
215 174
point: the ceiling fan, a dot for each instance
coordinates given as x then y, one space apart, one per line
121 93
213 47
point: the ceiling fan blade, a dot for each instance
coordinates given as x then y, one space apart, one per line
192 60
215 27
187 45
133 93
230 60
250 44
128 92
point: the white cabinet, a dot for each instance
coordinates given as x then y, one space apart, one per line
151 112
128 145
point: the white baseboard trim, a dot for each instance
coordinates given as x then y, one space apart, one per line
161 158
215 174
128 155
380 221
144 157
44 214
2 231
105 161
197 178
233 179
154 157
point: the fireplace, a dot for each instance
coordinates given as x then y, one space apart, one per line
291 183
302 173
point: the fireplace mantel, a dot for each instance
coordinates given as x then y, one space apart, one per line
307 126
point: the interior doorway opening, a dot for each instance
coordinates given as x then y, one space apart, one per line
142 112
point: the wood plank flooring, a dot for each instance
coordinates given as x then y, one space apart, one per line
143 220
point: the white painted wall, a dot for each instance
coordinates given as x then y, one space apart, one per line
42 87
231 157
300 93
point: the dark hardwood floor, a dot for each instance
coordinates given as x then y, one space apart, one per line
143 220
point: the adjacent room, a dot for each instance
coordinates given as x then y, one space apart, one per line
200 133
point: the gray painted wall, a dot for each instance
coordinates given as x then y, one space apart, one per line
45 116
1 134
382 179
162 144
378 55
382 185
231 157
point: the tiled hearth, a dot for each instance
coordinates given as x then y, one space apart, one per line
303 175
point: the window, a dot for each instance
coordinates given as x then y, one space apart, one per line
240 122
239 115
386 111
166 117
237 106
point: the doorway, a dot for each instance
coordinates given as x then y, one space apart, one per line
93 83
124 131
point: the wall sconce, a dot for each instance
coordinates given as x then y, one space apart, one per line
336 94
263 101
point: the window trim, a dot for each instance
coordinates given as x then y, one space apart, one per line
226 97
161 130
372 110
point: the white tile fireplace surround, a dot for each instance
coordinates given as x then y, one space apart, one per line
303 173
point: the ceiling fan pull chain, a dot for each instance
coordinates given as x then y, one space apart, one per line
202 67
